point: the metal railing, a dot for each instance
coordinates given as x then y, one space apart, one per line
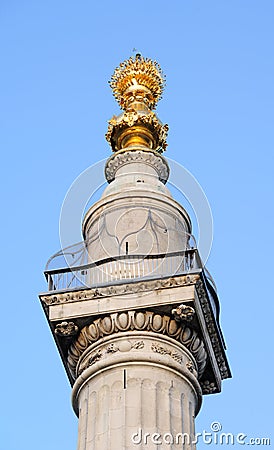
115 270
124 268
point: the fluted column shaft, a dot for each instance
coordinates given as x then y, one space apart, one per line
136 390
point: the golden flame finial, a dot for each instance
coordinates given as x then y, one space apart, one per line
138 78
137 85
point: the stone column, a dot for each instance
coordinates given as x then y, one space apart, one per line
137 327
137 385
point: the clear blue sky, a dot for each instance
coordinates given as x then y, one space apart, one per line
56 59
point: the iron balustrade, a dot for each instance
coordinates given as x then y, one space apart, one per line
114 270
124 268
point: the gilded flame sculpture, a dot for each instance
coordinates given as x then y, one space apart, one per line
139 76
137 85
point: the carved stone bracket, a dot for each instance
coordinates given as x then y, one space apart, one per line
66 329
138 321
183 312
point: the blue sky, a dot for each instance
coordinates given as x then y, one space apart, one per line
56 59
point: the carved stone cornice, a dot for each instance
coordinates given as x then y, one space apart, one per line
147 321
212 330
118 289
148 157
